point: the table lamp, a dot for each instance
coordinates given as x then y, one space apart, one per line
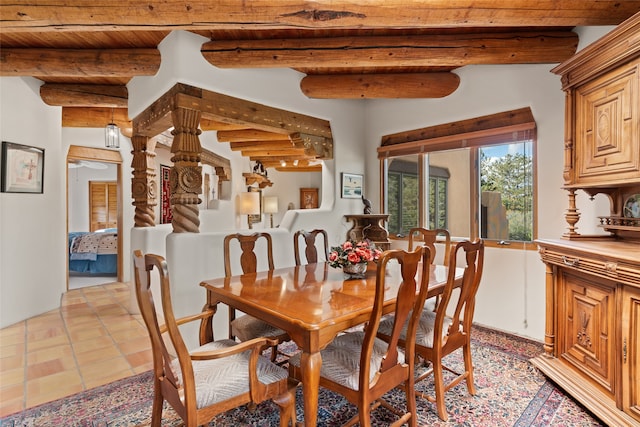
270 206
249 204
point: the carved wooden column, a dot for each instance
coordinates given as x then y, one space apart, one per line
143 183
186 172
550 318
572 216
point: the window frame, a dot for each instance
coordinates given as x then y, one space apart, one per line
496 129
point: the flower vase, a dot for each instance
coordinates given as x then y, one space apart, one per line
355 271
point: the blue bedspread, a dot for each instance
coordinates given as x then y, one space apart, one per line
103 263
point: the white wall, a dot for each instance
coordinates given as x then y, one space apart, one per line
32 232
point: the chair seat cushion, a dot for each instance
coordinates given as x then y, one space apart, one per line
248 327
341 359
220 379
424 330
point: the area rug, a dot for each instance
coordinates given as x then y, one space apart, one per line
510 392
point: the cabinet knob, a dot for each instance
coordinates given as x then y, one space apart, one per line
624 351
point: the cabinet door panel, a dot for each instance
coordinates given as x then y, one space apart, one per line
587 328
607 127
631 351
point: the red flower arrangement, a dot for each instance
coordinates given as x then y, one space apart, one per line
352 252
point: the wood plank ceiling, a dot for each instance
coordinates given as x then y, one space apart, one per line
86 51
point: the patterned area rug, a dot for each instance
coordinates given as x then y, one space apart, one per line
510 392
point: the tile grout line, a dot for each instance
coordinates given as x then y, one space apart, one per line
73 352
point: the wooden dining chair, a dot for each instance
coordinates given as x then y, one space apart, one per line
310 251
362 367
429 237
248 327
448 329
213 378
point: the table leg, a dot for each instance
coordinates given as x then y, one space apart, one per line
310 364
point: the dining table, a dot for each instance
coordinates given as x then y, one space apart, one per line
312 303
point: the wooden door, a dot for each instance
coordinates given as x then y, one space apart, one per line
103 205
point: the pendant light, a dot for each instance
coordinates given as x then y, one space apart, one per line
112 134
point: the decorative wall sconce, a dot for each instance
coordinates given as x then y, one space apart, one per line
249 204
270 207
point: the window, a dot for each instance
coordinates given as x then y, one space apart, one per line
479 183
506 192
403 195
438 198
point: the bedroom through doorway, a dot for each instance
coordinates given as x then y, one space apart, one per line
94 217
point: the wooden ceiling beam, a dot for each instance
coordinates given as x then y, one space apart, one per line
84 117
208 125
266 159
117 15
451 50
275 163
79 62
278 154
263 145
224 108
368 86
250 135
85 95
311 168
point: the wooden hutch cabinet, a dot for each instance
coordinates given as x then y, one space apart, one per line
592 335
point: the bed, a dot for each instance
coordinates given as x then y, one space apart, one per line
94 253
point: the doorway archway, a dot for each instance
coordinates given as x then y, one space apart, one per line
88 154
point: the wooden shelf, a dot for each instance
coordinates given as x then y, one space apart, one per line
619 223
256 178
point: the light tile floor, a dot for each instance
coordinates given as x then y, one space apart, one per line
90 341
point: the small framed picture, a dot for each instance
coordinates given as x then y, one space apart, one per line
22 168
351 185
308 198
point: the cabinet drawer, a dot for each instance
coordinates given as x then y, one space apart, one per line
588 263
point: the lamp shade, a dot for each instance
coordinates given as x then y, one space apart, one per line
249 203
270 204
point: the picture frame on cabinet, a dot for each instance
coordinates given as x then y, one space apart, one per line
22 168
